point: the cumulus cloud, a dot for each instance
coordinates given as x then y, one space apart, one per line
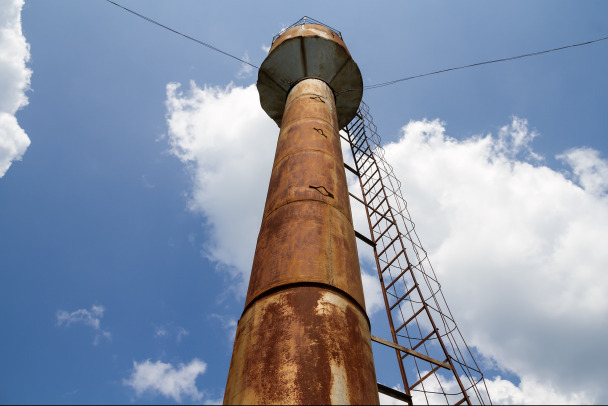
90 318
518 246
227 142
167 380
504 392
14 82
532 392
372 291
588 168
514 139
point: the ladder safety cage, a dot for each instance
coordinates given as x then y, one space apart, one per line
418 315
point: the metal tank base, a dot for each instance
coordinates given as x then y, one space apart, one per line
302 345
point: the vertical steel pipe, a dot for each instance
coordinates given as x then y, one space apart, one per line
304 336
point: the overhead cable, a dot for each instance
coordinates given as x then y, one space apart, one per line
392 82
369 87
182 34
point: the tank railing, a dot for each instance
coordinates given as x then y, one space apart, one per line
306 20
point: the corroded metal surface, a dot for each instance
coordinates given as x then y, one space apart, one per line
309 51
307 232
304 337
304 345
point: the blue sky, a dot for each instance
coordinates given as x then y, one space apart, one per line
127 225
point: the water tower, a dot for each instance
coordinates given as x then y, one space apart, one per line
304 335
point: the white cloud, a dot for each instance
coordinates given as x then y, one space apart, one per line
228 323
531 392
515 138
165 379
246 69
519 250
372 292
168 330
14 82
503 392
181 333
389 400
518 247
160 332
228 142
90 318
588 168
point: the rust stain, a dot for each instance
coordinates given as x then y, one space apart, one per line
308 30
305 345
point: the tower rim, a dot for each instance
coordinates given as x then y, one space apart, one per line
310 51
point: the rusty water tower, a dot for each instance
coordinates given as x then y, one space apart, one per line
304 335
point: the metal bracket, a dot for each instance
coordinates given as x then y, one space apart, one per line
350 168
394 393
320 131
411 352
318 188
364 239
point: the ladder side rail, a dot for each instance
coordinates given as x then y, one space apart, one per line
455 347
398 199
373 157
424 305
390 319
388 174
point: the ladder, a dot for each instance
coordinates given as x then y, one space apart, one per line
435 363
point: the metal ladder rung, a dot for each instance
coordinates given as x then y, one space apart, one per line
460 401
363 152
410 319
376 195
394 393
375 183
353 170
359 134
398 277
384 232
424 339
364 172
388 246
382 217
393 260
375 209
356 127
411 352
402 297
431 372
370 178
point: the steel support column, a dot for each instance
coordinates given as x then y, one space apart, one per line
304 337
